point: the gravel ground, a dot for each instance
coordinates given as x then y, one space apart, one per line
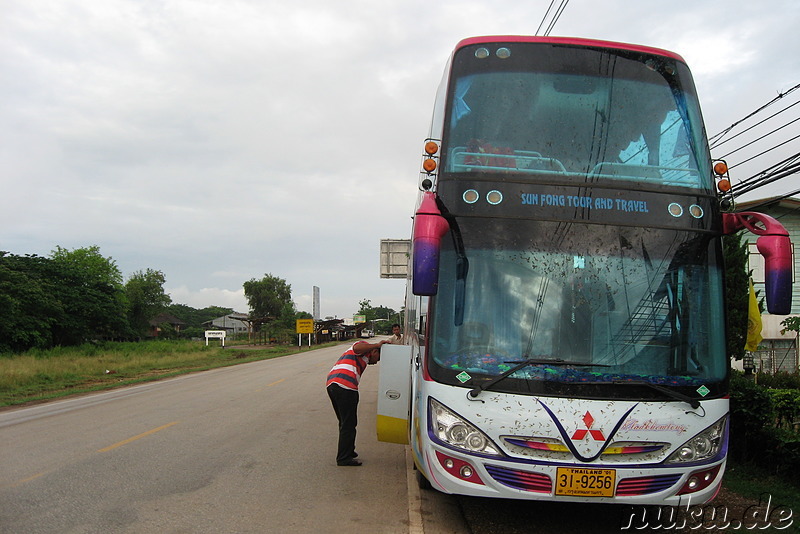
728 512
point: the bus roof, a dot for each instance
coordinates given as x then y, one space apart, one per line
568 40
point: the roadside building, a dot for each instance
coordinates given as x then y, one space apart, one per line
233 323
158 323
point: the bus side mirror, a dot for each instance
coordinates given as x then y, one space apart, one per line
429 228
774 245
777 252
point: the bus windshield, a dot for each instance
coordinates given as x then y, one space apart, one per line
615 303
574 113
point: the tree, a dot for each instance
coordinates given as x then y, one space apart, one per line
95 266
28 308
194 317
381 317
270 300
91 294
737 292
791 323
145 295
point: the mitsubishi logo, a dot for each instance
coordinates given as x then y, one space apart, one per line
588 420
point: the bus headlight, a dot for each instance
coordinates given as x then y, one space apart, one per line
701 447
455 431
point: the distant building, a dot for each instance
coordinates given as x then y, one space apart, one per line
161 319
233 323
336 330
777 351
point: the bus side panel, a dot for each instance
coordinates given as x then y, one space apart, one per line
394 393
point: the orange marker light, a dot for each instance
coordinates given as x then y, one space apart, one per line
431 148
720 168
724 185
429 165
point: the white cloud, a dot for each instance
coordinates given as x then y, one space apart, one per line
219 141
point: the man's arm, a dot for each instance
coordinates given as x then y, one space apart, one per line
363 347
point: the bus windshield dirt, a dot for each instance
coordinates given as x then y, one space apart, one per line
609 116
603 304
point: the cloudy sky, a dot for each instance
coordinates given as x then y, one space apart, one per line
217 141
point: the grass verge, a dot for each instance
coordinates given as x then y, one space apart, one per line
752 482
37 376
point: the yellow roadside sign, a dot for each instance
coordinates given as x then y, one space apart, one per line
305 326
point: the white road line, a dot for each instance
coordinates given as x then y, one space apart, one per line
415 524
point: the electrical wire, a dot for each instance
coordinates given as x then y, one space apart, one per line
760 138
761 181
764 152
556 15
545 16
769 171
773 200
715 145
766 180
721 134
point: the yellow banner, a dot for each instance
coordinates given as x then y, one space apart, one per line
753 323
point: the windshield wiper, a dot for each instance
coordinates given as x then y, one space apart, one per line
524 363
559 361
694 403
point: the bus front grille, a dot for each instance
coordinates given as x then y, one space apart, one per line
522 480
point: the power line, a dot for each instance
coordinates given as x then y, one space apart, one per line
772 200
781 165
764 179
556 15
780 170
545 16
732 126
715 145
757 139
764 152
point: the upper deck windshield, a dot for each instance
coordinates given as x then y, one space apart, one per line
573 113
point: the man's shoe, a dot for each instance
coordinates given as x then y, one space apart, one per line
351 462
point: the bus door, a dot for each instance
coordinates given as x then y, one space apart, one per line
394 393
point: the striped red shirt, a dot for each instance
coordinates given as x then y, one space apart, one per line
348 368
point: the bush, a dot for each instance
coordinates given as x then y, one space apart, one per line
787 407
756 433
752 411
779 380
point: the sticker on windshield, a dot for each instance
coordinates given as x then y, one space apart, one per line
703 391
463 376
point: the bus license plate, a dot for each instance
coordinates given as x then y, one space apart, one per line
577 482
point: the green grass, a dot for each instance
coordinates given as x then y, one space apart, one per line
752 482
40 375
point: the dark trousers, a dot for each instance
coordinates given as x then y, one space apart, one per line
345 404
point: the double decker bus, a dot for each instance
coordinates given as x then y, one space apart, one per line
565 314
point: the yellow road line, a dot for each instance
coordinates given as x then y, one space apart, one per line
23 481
134 438
268 385
34 477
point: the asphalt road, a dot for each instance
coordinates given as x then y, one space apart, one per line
244 449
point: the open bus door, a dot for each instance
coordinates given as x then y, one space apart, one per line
394 393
